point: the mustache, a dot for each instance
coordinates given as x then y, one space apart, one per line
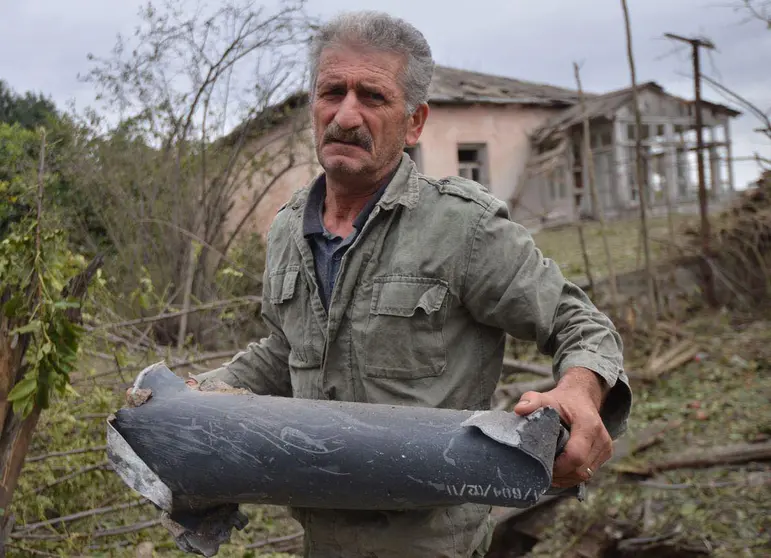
357 136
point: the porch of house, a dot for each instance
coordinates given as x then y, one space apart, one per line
558 174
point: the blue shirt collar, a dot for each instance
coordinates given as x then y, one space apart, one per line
313 222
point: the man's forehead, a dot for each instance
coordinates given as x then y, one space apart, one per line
339 61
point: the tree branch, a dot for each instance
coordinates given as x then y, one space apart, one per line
64 453
277 540
101 465
125 530
76 516
243 301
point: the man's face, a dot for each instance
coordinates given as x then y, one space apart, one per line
359 117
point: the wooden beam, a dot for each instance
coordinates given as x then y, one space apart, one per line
695 41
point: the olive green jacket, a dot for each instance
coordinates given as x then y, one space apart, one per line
425 295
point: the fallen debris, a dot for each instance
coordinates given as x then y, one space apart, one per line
675 356
740 255
508 521
706 457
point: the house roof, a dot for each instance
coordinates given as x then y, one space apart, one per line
606 105
454 86
448 86
268 118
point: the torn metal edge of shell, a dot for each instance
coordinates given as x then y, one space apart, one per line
135 472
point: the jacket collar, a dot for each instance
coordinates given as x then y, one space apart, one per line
403 189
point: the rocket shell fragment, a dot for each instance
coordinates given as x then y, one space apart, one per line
186 450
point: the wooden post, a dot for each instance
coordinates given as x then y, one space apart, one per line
671 179
641 183
597 204
729 156
696 44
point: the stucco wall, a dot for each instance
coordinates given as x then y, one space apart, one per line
503 128
278 147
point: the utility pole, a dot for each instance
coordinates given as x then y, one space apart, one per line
696 45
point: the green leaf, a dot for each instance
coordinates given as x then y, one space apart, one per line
69 390
64 304
31 327
13 305
688 509
23 407
25 388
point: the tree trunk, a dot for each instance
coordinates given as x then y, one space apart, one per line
642 183
15 432
596 202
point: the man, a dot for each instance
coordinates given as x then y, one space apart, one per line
386 286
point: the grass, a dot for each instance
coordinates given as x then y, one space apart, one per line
563 246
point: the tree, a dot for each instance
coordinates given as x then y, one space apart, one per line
41 288
756 10
165 179
30 110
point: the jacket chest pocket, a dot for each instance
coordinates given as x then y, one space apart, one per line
403 337
291 299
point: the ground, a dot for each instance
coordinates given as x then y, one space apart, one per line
720 397
562 245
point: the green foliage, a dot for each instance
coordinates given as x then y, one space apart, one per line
29 110
37 280
18 149
35 264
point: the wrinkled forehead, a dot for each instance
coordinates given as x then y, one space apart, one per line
354 63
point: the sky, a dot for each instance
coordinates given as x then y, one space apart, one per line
44 44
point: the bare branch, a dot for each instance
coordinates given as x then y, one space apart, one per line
101 465
243 301
276 540
751 107
76 516
125 530
64 453
641 183
172 365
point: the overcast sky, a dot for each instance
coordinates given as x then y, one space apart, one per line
44 43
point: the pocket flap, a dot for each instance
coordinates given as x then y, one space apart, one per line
403 296
282 284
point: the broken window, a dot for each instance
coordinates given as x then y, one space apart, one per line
472 163
558 188
602 138
630 131
416 155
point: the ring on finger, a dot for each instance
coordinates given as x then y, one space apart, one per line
589 472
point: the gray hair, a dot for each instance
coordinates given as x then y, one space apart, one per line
381 32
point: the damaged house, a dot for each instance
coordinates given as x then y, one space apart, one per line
557 174
523 141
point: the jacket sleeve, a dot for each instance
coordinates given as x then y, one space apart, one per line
510 285
263 366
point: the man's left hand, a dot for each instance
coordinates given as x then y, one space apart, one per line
577 398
